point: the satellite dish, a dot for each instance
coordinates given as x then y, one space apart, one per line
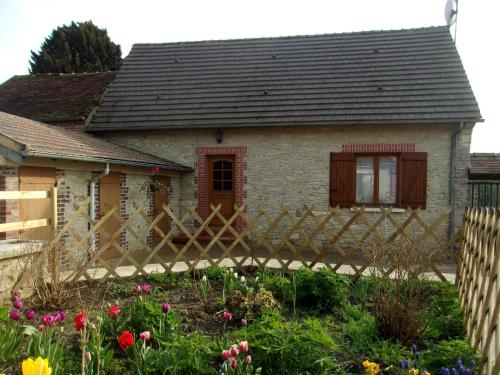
450 12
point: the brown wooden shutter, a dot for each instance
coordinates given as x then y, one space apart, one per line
413 179
342 179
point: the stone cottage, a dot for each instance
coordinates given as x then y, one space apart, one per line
367 118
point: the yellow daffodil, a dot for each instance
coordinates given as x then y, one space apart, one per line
413 371
371 368
36 367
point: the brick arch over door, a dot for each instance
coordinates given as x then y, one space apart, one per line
201 177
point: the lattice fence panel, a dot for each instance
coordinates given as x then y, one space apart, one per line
479 285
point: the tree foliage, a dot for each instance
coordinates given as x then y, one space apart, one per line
76 48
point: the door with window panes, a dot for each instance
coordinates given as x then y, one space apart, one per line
221 173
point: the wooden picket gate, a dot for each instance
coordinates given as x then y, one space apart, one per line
287 238
479 284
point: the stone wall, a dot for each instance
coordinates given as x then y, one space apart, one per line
291 165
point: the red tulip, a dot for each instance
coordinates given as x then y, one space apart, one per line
126 339
234 363
226 354
80 321
113 312
234 351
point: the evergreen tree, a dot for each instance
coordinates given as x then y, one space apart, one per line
76 48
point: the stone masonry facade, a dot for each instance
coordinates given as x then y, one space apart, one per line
291 166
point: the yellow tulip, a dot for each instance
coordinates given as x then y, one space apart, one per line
371 368
36 367
413 371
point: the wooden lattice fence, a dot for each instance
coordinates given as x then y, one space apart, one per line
288 238
479 284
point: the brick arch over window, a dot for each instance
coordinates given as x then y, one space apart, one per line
201 177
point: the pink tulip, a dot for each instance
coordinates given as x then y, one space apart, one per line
15 315
137 289
145 336
47 320
41 328
146 288
234 363
228 316
30 314
234 351
226 354
165 307
243 346
248 359
18 304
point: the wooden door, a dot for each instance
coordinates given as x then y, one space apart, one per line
221 185
160 198
36 179
109 197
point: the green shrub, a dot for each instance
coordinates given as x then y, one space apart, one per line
446 354
11 342
358 333
281 347
323 290
252 305
169 279
191 354
278 284
4 313
145 315
444 316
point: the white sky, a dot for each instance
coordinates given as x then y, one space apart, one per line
25 23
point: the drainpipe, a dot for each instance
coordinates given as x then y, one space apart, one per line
92 198
453 156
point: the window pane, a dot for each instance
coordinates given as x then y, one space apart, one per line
387 180
228 164
217 175
228 185
364 180
228 175
218 164
217 185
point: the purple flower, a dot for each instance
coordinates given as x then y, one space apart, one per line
146 288
15 315
62 315
459 362
461 370
16 295
414 348
454 371
228 316
417 356
472 363
401 364
406 365
18 304
468 371
444 371
29 314
165 307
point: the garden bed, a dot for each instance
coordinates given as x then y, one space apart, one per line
302 323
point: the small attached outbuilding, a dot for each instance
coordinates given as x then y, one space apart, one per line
37 157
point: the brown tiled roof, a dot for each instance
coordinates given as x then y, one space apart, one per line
484 166
53 98
41 140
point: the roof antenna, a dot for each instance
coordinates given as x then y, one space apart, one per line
451 15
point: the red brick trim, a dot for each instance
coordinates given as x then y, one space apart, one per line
123 207
379 147
201 177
